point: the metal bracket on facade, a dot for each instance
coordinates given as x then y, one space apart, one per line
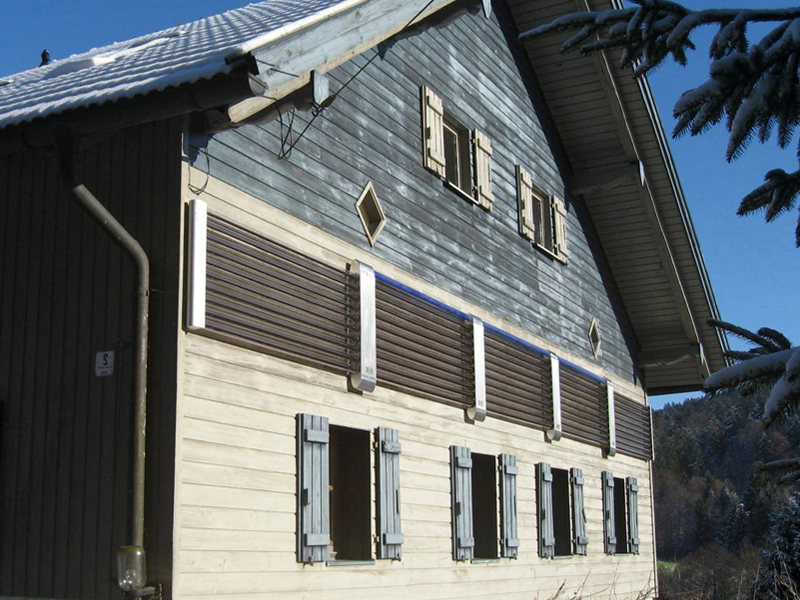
554 434
365 375
477 412
197 257
612 422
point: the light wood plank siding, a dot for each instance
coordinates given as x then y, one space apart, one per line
237 491
67 293
372 132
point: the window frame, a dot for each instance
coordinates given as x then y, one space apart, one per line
318 443
483 486
541 216
620 514
471 175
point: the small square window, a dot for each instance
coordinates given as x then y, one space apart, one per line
620 516
456 155
460 156
484 505
542 217
594 337
562 530
371 214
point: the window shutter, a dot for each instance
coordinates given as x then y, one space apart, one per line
387 465
313 499
509 540
580 539
432 131
559 228
544 492
482 156
633 514
461 499
527 225
609 529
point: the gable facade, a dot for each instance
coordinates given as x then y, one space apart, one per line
388 353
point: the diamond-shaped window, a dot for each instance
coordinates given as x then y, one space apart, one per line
594 337
371 214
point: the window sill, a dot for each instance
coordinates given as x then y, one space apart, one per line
477 561
349 563
460 192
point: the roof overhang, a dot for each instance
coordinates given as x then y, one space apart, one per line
622 169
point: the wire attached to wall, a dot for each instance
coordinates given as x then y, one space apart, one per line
318 109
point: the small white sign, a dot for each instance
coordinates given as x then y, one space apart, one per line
104 363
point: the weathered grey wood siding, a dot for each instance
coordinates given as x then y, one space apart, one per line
66 293
372 133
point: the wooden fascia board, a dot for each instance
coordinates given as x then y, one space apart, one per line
325 44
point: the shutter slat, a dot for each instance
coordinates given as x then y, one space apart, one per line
609 526
461 498
544 493
580 541
633 514
313 500
387 465
527 224
432 131
482 153
508 506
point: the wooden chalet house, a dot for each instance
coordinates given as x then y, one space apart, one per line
380 290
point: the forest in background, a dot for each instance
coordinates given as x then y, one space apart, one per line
714 505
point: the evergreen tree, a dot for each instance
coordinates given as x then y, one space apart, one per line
779 575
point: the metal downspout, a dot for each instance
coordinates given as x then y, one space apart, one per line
129 244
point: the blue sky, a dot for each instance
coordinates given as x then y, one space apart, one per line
754 267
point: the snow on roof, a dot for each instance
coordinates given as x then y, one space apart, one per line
154 62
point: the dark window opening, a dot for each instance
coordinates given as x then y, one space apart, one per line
350 493
620 520
562 530
484 505
456 155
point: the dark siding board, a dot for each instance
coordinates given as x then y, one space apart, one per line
372 133
67 293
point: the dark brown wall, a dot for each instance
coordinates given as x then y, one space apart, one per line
66 294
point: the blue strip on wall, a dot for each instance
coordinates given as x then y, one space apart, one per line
519 341
458 313
422 296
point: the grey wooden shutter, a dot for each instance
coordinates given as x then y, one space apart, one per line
509 540
387 465
313 500
609 528
461 500
580 540
633 514
482 157
432 131
544 493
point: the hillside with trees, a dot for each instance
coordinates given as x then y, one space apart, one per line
714 503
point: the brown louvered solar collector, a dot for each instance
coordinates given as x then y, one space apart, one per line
518 382
633 428
422 348
584 407
263 294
